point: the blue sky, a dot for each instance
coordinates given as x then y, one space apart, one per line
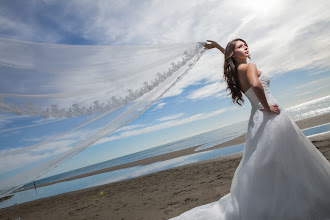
287 39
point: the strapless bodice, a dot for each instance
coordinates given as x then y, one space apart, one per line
264 80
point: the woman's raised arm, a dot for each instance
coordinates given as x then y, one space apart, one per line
214 44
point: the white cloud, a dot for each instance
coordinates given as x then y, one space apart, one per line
14 161
38 138
159 106
313 90
208 69
282 35
4 122
130 127
19 157
170 117
209 90
312 83
165 125
28 126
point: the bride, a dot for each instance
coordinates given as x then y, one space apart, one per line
282 175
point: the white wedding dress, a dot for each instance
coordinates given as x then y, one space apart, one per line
281 176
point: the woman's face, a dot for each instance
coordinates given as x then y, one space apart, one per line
241 50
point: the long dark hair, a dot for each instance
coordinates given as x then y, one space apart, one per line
230 72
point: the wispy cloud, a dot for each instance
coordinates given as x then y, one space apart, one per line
159 106
170 117
315 82
10 161
213 89
130 127
28 126
14 161
5 121
313 90
165 125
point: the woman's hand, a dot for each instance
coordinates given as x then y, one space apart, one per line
272 109
211 45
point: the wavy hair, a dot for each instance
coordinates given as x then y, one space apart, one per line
230 72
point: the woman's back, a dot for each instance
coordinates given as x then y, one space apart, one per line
243 76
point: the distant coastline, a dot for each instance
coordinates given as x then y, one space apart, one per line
302 124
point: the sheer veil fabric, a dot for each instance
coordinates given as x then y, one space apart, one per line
60 99
281 175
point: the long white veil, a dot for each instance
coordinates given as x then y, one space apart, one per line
78 94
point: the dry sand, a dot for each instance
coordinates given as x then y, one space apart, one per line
160 195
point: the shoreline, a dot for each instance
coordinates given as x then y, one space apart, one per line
302 124
159 195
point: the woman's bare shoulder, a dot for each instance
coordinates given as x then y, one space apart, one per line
243 67
246 65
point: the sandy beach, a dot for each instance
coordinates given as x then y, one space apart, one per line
160 195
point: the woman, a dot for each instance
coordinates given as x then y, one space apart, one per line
281 175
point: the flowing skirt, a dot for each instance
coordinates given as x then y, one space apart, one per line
281 176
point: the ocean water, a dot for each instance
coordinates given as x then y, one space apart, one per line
310 109
206 140
131 172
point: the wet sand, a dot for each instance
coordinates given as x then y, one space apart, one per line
160 195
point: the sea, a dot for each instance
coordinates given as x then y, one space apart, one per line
205 140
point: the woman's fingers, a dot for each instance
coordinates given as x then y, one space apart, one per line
207 46
211 45
273 108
